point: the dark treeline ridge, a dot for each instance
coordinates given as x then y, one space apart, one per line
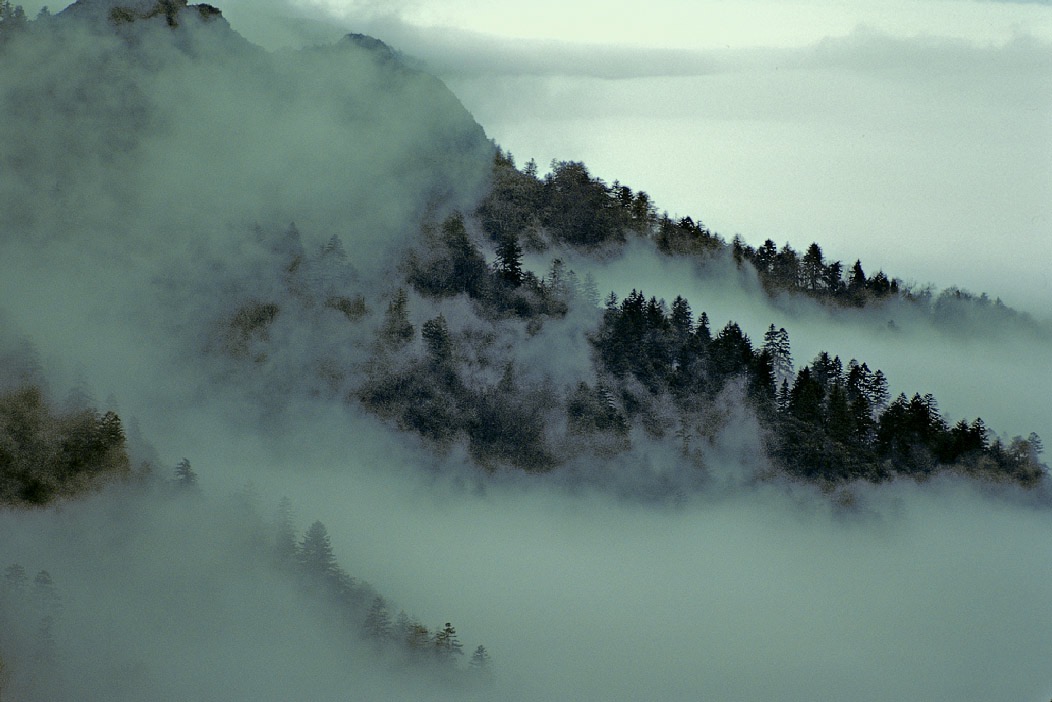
828 423
569 206
658 367
32 641
366 614
655 369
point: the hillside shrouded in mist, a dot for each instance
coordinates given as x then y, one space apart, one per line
232 276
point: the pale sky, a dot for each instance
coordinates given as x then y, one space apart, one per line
711 23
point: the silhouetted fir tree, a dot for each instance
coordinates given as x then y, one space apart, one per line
447 645
826 370
877 391
13 21
839 420
787 268
316 559
776 343
833 278
806 398
765 257
702 330
730 353
879 285
509 260
681 319
185 476
813 268
856 285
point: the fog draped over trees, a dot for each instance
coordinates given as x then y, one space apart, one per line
223 245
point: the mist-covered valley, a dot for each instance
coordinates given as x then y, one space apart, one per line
244 254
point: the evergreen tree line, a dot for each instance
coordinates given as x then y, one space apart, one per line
826 422
570 206
363 612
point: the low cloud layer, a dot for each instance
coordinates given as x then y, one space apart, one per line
132 233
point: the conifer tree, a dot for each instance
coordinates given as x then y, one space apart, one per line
509 260
480 660
776 343
682 319
447 645
185 477
813 268
315 555
702 330
857 281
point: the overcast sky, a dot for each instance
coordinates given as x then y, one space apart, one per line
916 135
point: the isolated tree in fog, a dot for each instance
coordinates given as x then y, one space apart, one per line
447 645
185 477
812 268
480 660
315 554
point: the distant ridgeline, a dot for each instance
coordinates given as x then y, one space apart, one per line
569 206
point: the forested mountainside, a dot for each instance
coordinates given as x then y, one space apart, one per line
658 373
312 268
289 318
